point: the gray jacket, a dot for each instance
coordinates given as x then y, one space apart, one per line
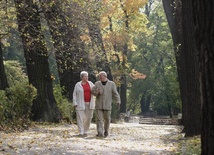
107 93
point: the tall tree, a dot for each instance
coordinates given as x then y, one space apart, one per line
192 74
145 103
93 23
71 56
155 57
186 66
3 32
123 78
44 106
202 12
3 77
119 26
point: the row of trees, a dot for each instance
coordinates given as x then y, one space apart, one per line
60 39
187 65
191 24
129 40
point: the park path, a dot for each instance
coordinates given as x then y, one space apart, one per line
124 139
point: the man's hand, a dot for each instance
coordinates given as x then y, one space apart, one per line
98 91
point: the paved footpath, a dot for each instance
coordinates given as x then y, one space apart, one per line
124 139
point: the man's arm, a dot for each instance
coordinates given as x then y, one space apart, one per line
94 90
116 94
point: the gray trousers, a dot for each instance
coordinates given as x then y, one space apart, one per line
103 120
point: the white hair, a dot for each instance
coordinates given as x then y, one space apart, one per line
103 73
83 73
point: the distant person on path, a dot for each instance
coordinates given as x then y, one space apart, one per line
84 103
104 90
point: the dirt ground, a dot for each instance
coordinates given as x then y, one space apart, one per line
123 139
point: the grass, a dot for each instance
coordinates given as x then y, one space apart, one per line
190 145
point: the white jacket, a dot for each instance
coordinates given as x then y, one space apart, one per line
78 96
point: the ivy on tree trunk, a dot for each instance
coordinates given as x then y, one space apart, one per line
3 77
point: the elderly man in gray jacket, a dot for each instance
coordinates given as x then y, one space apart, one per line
104 90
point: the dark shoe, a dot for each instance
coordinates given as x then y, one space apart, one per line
106 133
99 134
80 135
85 135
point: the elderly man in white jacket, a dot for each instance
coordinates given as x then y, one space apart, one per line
84 103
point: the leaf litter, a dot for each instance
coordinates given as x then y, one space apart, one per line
123 139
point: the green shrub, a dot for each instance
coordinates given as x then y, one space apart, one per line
16 101
15 73
115 113
15 106
3 102
63 104
190 145
20 99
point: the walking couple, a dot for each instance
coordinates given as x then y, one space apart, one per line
104 90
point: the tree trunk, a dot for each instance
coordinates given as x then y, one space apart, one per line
168 105
202 12
145 103
193 125
44 106
3 77
174 18
123 78
123 90
123 86
186 65
69 50
148 101
97 41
